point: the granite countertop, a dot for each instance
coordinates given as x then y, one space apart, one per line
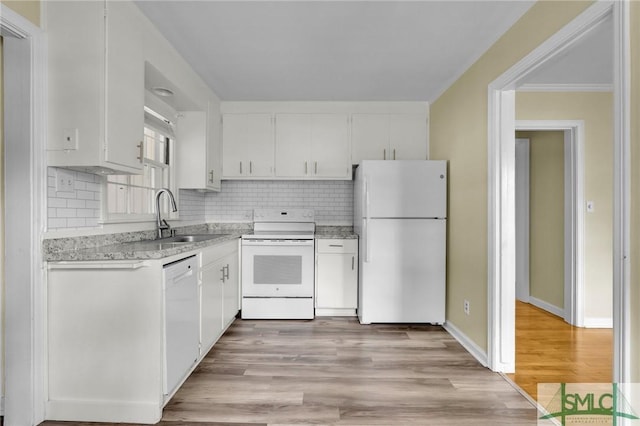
136 245
138 250
337 232
143 245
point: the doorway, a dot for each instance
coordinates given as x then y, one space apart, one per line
557 248
501 339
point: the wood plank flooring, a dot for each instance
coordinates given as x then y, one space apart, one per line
549 350
336 371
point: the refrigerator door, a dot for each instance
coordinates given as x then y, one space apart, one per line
403 279
404 189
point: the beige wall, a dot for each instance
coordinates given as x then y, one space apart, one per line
546 219
27 8
635 191
458 133
596 109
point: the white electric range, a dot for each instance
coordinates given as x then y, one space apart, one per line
278 265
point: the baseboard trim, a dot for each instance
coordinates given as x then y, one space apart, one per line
598 322
546 306
476 351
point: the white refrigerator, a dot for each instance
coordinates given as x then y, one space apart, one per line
400 215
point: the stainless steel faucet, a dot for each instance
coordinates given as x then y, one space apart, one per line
161 223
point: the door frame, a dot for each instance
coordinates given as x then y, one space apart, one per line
24 48
523 209
501 206
574 212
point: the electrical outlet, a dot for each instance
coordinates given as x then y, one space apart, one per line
467 307
64 181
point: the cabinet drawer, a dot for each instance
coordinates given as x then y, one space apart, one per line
213 253
337 246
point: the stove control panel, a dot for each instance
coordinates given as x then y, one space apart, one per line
283 215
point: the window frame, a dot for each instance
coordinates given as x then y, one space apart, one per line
108 218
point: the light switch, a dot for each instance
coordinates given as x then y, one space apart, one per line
590 206
70 139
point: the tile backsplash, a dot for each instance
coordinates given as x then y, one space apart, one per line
331 200
77 206
191 205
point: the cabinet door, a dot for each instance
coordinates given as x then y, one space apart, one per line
231 290
124 125
191 138
330 146
234 143
259 146
211 303
408 137
247 145
293 143
369 137
337 281
214 163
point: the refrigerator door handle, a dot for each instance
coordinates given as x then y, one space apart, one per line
366 221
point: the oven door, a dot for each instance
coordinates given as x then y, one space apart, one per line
277 268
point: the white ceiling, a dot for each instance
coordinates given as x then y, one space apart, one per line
332 50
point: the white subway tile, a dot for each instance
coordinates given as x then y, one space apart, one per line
54 223
66 213
85 195
76 204
76 223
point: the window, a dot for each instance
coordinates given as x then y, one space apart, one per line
132 197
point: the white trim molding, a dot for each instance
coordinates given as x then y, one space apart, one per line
546 306
501 206
622 357
476 351
24 50
595 322
565 87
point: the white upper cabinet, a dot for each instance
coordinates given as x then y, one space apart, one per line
388 137
96 86
312 146
247 150
318 140
196 134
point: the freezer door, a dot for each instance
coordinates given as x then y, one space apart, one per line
403 279
405 189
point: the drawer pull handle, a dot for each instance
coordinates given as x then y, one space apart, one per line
336 245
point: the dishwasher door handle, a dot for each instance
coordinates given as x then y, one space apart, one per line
182 276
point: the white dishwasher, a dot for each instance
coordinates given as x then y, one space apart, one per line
182 320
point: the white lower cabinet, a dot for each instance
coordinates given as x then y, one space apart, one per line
219 292
336 277
106 344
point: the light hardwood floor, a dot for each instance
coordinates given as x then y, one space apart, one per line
336 371
549 350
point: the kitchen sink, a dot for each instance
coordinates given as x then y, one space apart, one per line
171 242
178 239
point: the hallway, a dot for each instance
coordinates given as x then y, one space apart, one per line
549 350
